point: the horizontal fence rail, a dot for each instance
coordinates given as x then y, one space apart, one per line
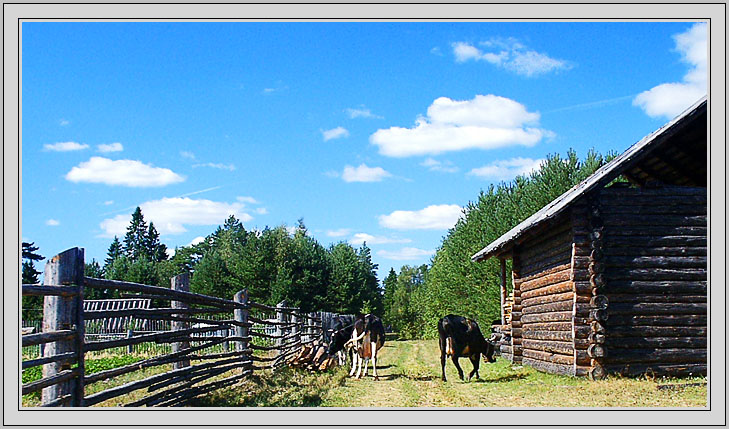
173 345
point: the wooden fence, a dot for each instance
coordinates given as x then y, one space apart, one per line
195 363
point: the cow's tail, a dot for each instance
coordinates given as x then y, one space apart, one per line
449 338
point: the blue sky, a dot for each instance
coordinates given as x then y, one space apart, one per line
368 131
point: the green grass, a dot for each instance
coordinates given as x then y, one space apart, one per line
91 365
410 377
409 373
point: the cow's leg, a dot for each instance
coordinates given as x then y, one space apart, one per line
442 358
355 358
454 358
359 366
366 365
374 360
475 362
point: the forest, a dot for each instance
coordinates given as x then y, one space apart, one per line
277 264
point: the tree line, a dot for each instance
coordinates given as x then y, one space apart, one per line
274 264
416 297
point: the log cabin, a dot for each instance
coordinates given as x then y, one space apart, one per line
611 277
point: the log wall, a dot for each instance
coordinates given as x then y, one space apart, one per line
655 279
542 332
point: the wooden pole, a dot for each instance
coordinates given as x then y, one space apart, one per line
281 318
241 315
60 313
295 329
503 290
180 282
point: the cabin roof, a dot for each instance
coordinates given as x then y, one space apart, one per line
675 154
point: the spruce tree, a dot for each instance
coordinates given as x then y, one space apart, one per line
29 273
114 252
135 240
153 248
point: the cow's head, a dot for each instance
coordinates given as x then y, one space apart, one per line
339 338
488 354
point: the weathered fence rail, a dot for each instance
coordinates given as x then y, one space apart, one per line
191 334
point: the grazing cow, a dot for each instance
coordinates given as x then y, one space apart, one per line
368 337
461 337
339 342
341 332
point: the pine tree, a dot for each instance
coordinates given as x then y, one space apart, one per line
114 252
153 248
29 273
135 240
30 304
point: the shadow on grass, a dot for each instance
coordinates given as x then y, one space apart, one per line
501 379
391 377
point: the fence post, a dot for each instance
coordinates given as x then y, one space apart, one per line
60 313
281 319
130 334
312 335
180 282
295 329
241 315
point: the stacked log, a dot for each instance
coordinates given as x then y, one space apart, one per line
590 304
656 267
543 300
313 357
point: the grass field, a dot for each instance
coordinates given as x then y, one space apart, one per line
410 377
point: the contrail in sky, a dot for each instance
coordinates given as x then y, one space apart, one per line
179 196
592 104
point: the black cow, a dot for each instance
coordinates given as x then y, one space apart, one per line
461 337
340 335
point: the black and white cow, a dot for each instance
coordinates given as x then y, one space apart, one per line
461 337
368 337
341 332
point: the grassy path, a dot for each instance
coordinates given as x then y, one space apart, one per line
410 377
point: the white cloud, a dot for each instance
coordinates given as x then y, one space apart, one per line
123 172
507 169
196 240
364 173
108 203
435 165
64 122
171 215
335 133
187 154
361 113
111 147
249 200
362 237
338 232
511 55
52 222
65 146
261 211
485 122
405 254
670 99
219 166
442 216
436 51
